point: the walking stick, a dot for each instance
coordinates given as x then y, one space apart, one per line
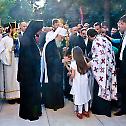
4 93
4 82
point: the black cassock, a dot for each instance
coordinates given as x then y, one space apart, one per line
53 90
29 74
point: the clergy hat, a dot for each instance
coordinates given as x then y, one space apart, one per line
60 31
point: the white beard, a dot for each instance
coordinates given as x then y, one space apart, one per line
58 44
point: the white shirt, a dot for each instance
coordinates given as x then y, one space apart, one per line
86 41
22 33
123 46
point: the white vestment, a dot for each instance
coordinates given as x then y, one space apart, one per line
103 67
8 72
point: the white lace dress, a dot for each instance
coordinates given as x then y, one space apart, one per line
80 89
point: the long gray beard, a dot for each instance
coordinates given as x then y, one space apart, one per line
58 44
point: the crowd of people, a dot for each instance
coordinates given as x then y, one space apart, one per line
46 65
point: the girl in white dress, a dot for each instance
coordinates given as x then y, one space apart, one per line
80 89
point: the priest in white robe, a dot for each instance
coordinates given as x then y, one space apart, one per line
9 86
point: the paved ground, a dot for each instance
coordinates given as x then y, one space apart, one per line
62 117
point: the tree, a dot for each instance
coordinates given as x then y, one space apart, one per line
5 6
65 9
22 10
107 4
117 10
94 10
16 10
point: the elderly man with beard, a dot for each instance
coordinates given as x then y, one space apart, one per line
52 70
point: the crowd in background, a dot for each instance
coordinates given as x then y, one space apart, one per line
84 64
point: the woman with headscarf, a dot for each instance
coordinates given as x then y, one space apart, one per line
29 73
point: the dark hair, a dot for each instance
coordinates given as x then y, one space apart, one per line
81 26
91 32
114 26
123 18
8 29
55 21
97 24
80 61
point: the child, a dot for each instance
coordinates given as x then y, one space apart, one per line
80 89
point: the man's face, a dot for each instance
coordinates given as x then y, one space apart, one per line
84 33
122 26
23 26
56 25
98 29
12 31
74 30
86 26
60 38
113 30
104 29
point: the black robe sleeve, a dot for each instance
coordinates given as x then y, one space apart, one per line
54 64
29 63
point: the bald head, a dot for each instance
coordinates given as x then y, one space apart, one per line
23 26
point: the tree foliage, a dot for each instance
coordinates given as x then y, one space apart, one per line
93 10
5 6
22 10
69 10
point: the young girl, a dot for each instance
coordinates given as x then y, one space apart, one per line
80 89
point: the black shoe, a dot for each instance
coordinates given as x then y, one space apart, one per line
40 114
70 99
55 109
24 117
17 100
34 118
31 118
11 101
120 113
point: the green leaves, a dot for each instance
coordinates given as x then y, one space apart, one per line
93 10
22 10
5 6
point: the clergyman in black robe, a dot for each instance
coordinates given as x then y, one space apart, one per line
29 73
52 92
